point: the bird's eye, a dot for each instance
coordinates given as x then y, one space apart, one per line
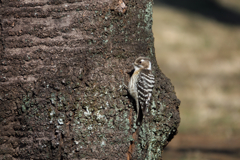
140 62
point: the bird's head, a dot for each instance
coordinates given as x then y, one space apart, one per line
142 63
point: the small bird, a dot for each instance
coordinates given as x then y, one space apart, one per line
141 85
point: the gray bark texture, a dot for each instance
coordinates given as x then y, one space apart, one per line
63 66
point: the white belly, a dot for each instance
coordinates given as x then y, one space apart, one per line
132 86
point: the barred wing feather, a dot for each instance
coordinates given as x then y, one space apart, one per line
145 86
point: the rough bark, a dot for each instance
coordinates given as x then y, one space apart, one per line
63 66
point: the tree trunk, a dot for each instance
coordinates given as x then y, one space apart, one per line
63 66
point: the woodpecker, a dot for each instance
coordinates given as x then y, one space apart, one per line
141 85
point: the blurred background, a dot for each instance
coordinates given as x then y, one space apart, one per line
197 44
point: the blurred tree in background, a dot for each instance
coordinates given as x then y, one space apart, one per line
197 46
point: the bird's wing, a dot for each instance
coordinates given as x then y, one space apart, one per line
145 86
